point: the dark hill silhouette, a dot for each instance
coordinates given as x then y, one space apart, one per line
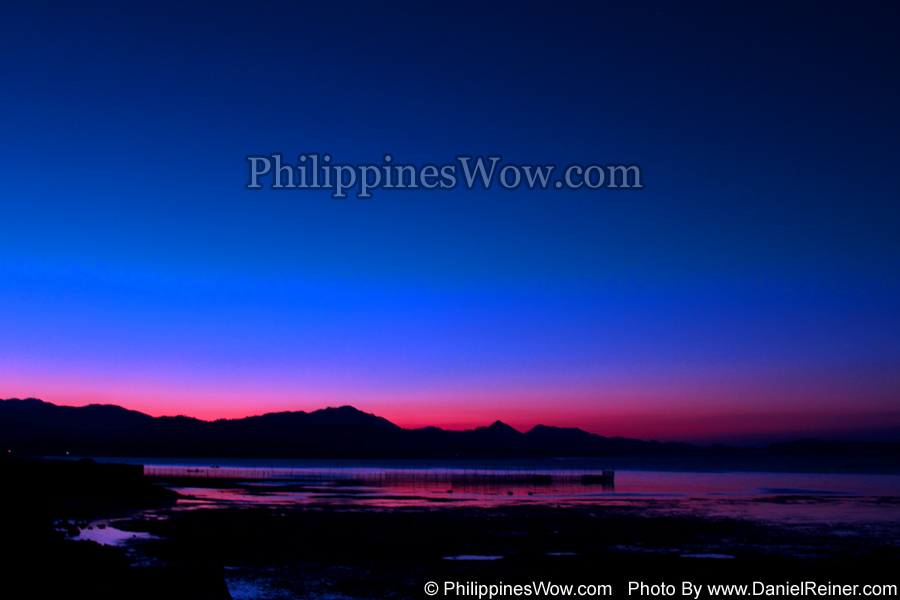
94 420
35 427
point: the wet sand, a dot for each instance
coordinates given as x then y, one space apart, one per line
318 551
250 540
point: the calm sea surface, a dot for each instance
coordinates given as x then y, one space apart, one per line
816 490
794 507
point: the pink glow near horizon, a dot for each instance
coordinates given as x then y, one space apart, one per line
665 413
706 402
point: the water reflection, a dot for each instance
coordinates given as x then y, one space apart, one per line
103 533
396 489
782 497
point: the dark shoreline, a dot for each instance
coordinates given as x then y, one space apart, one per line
358 551
42 503
371 552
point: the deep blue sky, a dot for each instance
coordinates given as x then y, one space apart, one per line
754 281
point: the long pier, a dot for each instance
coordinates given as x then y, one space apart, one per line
383 476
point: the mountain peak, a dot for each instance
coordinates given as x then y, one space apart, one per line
26 403
498 426
347 415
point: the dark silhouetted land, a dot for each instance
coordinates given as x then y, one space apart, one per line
34 427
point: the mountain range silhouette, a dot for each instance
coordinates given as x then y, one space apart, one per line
35 427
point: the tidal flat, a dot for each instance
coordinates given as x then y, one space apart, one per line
347 551
385 532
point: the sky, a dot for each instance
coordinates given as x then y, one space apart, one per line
749 293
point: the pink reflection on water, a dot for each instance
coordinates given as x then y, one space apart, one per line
102 533
779 497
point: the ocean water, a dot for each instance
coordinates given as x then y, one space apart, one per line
791 490
732 508
844 465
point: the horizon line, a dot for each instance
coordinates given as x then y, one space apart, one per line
734 444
